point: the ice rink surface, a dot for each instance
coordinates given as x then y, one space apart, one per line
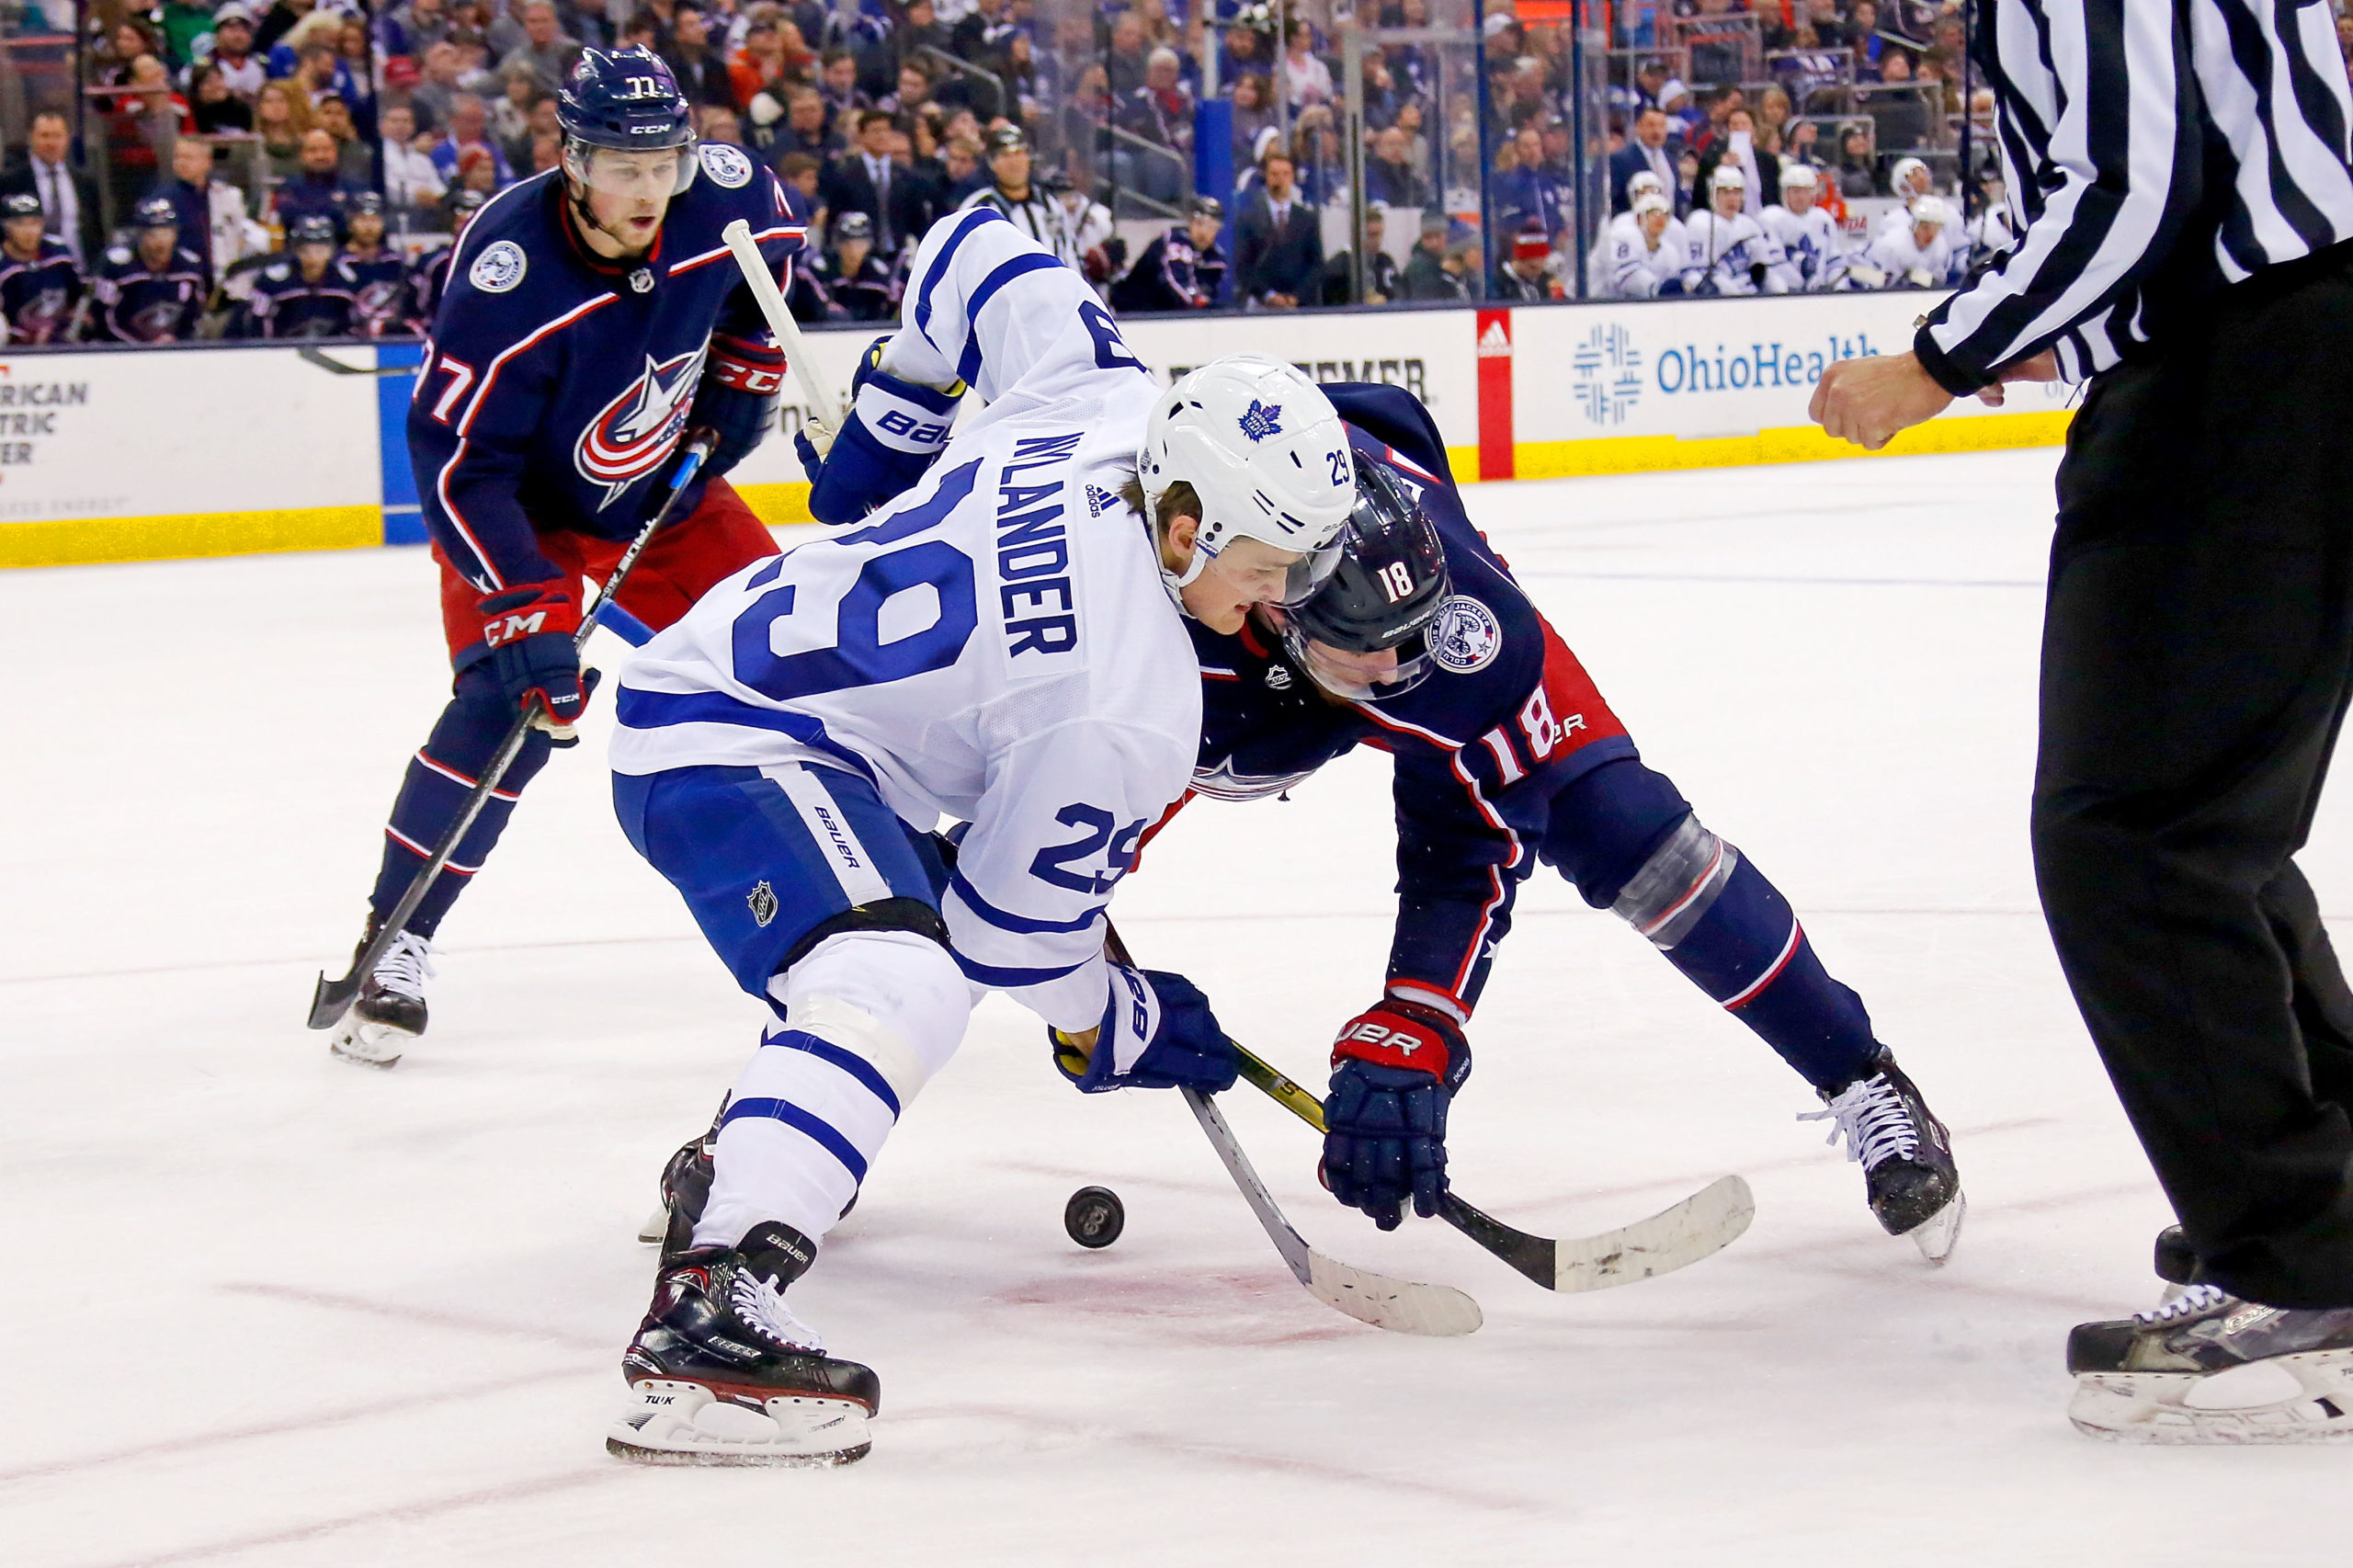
267 1309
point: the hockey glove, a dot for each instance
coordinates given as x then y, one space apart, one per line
1394 1071
1158 1033
894 431
529 630
736 399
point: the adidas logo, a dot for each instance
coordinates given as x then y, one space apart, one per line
1097 499
1494 343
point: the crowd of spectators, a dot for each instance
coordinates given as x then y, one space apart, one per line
1739 146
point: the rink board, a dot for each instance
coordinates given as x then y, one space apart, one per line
224 450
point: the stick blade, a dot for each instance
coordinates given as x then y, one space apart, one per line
1701 1226
332 999
1400 1306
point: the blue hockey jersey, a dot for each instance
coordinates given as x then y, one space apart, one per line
38 297
284 304
383 292
135 305
1505 720
556 385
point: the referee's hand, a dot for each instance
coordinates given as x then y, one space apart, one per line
1869 402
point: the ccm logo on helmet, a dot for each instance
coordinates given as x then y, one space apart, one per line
513 626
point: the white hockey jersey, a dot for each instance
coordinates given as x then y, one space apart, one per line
1724 252
1625 266
1813 253
996 646
1908 266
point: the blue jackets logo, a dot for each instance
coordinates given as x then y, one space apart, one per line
725 165
499 267
1466 637
1259 422
637 431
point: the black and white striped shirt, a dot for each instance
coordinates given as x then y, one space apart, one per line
2154 152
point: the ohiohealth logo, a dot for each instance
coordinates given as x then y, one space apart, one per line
1609 374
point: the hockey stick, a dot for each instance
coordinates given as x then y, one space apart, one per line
1395 1304
826 412
1706 1221
332 998
319 356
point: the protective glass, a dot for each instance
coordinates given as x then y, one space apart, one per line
656 174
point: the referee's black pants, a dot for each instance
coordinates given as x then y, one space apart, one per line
2197 661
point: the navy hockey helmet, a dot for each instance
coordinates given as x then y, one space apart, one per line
624 100
1208 207
310 229
371 201
156 212
1382 596
19 204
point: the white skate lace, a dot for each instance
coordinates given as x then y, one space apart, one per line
2188 1304
1869 1114
405 966
759 1302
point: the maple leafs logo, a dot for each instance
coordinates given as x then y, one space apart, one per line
1259 422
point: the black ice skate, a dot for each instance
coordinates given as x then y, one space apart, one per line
723 1373
1905 1153
390 1010
2208 1368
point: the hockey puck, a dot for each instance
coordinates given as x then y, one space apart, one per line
1095 1216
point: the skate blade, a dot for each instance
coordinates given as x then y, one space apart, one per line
2310 1400
685 1423
1936 1235
656 1226
364 1044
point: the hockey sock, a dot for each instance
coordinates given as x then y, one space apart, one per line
1628 839
868 1017
1748 951
439 778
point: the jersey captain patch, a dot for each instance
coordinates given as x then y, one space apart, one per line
725 164
1466 636
632 435
499 267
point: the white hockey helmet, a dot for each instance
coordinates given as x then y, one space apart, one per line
1727 177
1899 179
1639 183
1651 201
1796 174
1932 210
1265 450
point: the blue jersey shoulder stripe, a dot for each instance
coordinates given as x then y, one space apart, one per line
968 365
1006 920
965 223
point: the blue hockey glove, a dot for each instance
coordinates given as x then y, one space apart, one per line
1394 1069
529 630
894 430
736 398
1161 1026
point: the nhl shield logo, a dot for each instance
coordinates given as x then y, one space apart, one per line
762 903
1465 637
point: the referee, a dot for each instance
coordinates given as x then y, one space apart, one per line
2178 170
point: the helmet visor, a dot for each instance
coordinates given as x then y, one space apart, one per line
1355 677
657 174
1308 575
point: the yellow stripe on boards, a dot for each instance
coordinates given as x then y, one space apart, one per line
778 505
87 541
1792 444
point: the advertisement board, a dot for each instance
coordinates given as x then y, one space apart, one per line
220 449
